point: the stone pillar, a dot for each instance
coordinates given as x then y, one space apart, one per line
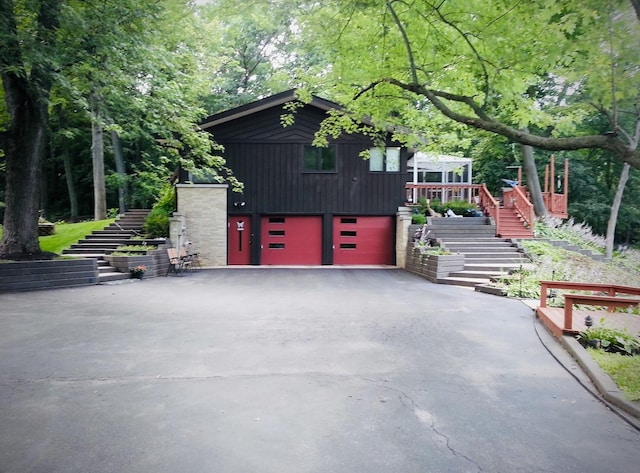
177 230
204 208
403 220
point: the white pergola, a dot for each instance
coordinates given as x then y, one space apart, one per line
447 166
443 164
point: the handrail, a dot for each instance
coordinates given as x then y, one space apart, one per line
489 205
610 289
523 206
609 300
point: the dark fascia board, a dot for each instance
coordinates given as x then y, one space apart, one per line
266 103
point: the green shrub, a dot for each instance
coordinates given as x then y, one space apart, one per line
418 219
157 223
610 340
459 207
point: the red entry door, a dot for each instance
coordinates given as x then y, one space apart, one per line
239 240
363 240
291 240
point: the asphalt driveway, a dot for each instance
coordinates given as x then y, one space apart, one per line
291 371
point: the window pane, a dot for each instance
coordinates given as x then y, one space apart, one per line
393 159
328 158
310 158
376 159
319 159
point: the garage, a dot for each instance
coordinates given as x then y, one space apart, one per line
291 240
363 240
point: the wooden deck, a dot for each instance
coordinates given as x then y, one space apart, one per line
553 318
568 320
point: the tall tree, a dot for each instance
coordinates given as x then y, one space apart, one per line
27 41
494 66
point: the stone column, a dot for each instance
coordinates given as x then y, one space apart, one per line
403 220
204 207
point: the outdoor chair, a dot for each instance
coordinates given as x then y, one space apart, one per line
176 262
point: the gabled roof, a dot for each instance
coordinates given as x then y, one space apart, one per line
263 104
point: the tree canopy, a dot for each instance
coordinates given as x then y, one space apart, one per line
501 66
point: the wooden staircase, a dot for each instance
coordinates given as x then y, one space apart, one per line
103 242
486 256
512 225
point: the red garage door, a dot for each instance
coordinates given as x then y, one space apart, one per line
293 240
363 240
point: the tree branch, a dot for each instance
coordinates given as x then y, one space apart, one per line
611 143
407 43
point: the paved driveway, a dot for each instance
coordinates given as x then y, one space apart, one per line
291 371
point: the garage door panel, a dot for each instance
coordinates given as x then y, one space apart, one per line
363 240
291 240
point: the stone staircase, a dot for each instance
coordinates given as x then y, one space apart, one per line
486 256
103 242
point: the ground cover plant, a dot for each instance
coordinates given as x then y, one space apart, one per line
617 352
624 370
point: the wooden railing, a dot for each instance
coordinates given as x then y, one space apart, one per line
556 204
523 205
474 193
489 205
442 192
610 300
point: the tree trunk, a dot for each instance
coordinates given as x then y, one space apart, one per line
24 152
121 170
97 155
533 182
71 188
615 208
26 92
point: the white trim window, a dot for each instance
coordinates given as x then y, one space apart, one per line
384 159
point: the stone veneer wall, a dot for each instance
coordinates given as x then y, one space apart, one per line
203 208
403 221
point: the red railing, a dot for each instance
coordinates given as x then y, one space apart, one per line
475 193
523 205
611 300
556 204
442 192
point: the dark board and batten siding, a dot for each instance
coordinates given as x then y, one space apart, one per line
267 158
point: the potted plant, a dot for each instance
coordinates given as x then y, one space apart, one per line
138 271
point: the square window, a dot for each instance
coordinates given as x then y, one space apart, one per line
318 159
384 159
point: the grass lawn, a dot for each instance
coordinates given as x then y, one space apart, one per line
68 233
624 370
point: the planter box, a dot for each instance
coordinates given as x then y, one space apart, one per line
156 262
45 229
433 267
30 275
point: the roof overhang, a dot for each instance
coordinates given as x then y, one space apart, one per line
264 104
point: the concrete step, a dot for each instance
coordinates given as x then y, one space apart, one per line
479 274
490 266
114 232
466 249
463 281
458 221
108 245
112 276
97 256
